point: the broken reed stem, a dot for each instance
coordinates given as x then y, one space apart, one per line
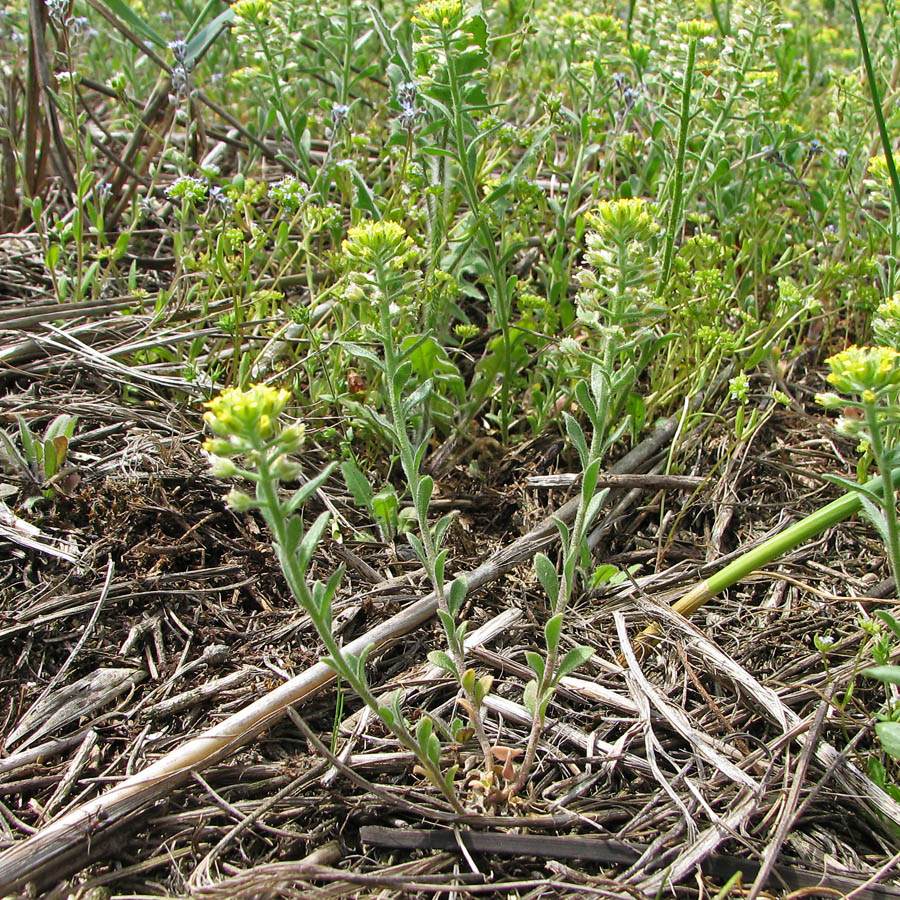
737 570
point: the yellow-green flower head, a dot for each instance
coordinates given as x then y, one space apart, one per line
696 28
878 167
886 324
442 13
864 370
252 10
377 241
623 220
249 415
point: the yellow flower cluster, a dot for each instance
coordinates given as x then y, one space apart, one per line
386 242
622 221
696 28
864 370
243 419
442 13
252 10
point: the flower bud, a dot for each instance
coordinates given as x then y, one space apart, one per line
239 501
221 467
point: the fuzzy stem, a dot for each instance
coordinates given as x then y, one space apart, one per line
274 512
889 500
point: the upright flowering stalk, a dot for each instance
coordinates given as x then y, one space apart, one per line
247 426
693 30
871 374
451 56
382 256
616 298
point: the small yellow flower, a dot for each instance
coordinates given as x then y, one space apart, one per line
864 370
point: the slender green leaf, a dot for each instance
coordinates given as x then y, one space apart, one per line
576 657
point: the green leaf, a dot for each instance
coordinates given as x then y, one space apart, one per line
418 397
853 487
304 492
593 507
331 587
13 452
418 547
134 22
552 630
890 621
457 594
357 483
888 674
29 445
548 576
576 657
62 426
439 562
386 716
423 731
362 353
50 459
311 540
576 436
207 36
440 529
535 663
364 199
293 535
889 735
482 689
423 494
875 514
586 402
401 375
442 660
433 750
589 480
448 623
529 696
449 777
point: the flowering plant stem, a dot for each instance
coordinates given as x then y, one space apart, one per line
549 669
499 293
275 513
674 223
427 545
246 424
888 500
